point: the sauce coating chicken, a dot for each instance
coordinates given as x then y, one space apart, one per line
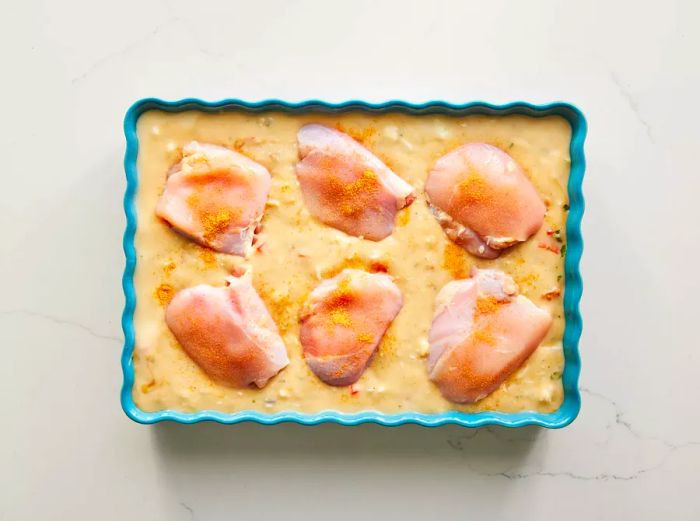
346 186
482 332
483 200
228 332
216 197
344 320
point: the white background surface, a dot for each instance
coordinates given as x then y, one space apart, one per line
70 70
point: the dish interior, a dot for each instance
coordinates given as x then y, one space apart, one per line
298 252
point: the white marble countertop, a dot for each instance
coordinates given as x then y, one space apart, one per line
70 71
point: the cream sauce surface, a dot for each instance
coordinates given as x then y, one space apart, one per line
298 252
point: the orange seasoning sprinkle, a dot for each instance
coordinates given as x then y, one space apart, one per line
351 262
215 219
474 377
354 261
238 144
475 190
367 182
455 261
337 305
193 200
348 209
207 255
340 317
281 307
404 216
360 135
483 336
528 279
365 338
169 268
164 294
388 345
552 294
354 197
342 294
486 305
218 222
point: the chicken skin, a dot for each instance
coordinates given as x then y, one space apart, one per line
228 332
347 187
344 320
482 332
483 200
216 197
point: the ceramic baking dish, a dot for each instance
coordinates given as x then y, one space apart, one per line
572 294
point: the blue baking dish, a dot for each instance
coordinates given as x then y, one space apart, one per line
572 293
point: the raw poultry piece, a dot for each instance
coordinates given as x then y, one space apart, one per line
482 332
344 320
483 200
228 332
216 197
346 186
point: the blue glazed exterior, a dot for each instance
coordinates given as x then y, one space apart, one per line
572 294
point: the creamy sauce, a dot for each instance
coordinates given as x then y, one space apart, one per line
298 251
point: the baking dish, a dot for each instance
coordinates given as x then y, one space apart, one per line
573 288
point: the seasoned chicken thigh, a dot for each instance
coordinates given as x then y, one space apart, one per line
482 332
216 197
346 186
228 332
483 199
343 322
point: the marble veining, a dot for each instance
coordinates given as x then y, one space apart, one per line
61 321
633 104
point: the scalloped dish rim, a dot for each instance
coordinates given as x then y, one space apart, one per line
573 283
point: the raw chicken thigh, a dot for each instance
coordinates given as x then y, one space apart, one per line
343 322
483 199
228 332
216 197
482 332
346 186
